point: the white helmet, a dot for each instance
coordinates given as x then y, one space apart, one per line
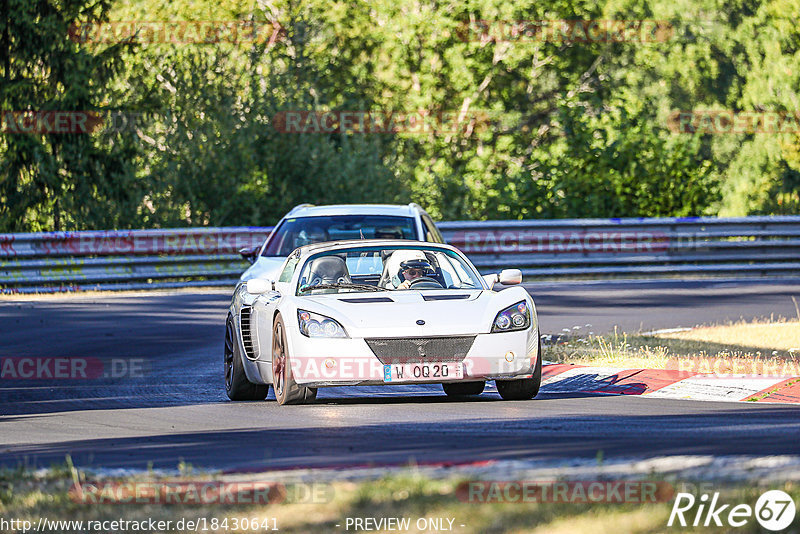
391 270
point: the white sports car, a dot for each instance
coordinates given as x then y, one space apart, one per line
372 312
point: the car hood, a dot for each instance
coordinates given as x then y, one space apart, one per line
397 313
266 267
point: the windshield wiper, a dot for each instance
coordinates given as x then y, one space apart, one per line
343 285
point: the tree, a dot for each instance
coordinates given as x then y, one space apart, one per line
58 181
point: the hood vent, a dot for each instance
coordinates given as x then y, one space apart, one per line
445 297
367 300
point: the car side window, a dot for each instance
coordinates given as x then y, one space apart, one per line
288 270
432 233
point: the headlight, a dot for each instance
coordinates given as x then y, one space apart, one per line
316 325
516 317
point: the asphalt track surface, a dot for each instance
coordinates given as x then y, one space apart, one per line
174 408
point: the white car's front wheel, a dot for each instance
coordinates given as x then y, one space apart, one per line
287 391
237 386
525 388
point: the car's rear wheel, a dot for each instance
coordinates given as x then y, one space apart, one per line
287 391
237 386
463 389
525 388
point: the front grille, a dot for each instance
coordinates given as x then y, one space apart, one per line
421 349
247 338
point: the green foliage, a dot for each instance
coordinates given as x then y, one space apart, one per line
616 164
65 180
578 129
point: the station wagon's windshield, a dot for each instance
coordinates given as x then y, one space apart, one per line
298 231
386 269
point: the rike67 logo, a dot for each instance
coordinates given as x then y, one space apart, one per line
774 511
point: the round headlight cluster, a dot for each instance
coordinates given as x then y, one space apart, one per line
516 317
313 328
316 325
330 328
503 322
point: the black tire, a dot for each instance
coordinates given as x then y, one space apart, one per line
237 386
287 391
525 388
463 389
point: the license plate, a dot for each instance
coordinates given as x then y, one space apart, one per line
422 371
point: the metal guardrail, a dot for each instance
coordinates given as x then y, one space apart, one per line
644 248
567 248
129 259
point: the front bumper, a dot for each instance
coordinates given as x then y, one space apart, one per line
320 362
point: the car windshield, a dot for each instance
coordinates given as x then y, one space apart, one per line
299 231
386 269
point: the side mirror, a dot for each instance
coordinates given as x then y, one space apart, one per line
510 277
257 286
250 253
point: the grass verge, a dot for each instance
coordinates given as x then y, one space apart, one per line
26 495
758 347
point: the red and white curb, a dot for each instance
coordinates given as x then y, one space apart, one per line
666 383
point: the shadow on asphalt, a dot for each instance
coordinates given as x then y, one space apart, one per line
151 351
545 437
38 399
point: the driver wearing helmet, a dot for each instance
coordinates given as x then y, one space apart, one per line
411 270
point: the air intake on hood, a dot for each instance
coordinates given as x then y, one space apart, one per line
367 300
445 297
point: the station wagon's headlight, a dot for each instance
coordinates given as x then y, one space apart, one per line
316 325
516 317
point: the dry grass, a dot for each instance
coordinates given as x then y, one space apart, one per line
766 335
28 496
759 347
